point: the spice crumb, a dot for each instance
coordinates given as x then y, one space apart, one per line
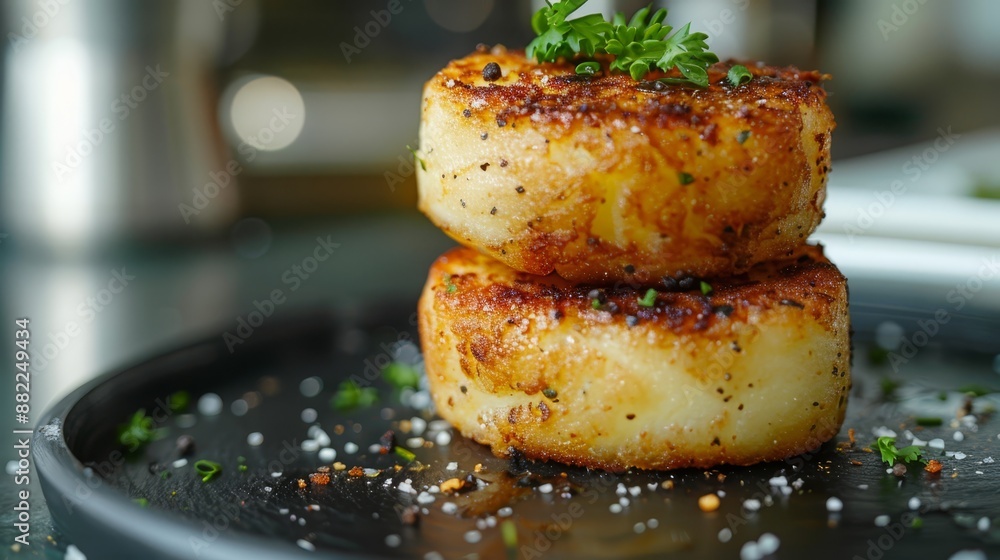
708 503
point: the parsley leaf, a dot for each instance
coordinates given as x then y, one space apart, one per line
639 45
739 75
890 454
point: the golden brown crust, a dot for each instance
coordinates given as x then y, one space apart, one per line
547 171
757 370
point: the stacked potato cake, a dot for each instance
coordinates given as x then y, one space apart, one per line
635 288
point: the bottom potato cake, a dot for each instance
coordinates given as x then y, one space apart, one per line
613 378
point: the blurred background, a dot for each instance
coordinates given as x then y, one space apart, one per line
165 167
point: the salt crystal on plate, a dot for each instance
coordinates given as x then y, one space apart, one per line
834 504
327 454
768 544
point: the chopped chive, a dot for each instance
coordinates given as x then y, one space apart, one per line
648 300
142 502
242 468
929 421
207 470
549 393
685 178
508 530
406 454
595 303
706 288
743 136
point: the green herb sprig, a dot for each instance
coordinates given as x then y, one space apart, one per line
401 375
890 454
349 396
137 432
639 44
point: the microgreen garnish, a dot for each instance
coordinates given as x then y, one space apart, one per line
639 44
401 375
449 285
929 421
890 454
207 470
685 178
706 288
141 502
349 396
739 75
648 300
179 401
137 432
420 160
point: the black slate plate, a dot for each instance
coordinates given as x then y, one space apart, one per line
262 513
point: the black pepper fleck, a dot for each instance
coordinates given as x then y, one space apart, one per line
493 212
520 190
484 135
492 72
467 113
484 166
629 269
